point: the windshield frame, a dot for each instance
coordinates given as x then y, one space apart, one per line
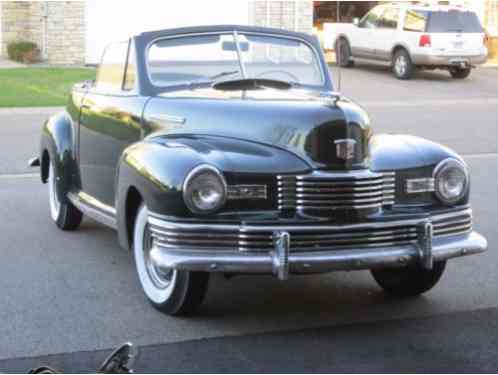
325 85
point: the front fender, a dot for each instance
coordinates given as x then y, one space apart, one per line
57 144
157 167
393 152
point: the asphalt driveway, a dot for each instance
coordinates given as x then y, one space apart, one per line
71 292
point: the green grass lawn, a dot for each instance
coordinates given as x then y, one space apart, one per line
39 87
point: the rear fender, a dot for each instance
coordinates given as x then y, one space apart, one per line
58 145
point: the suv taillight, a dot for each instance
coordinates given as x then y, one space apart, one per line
425 41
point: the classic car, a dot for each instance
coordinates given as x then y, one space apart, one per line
226 149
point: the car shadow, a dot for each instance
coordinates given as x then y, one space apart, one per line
339 297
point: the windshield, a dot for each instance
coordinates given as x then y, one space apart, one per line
454 22
217 57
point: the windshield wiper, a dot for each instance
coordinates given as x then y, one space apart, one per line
253 84
192 85
223 74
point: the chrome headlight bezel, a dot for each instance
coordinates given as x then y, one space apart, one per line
441 168
188 191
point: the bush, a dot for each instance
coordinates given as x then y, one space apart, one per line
25 52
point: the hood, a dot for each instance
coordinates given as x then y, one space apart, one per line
312 127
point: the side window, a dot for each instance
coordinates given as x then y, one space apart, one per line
389 19
130 70
369 21
415 20
112 67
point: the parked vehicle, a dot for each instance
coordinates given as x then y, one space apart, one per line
225 149
410 37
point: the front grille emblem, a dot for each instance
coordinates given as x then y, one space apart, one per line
345 148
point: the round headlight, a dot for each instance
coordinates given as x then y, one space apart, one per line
204 190
451 181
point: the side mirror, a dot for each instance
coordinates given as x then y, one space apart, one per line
356 21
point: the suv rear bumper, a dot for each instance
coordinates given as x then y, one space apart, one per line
444 60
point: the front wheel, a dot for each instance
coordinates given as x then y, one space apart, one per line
171 291
460 73
409 281
64 214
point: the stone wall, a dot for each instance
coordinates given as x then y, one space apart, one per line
289 15
58 28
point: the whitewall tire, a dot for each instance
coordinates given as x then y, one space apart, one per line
172 291
63 213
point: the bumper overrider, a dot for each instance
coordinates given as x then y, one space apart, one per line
297 248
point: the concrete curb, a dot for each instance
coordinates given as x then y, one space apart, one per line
30 110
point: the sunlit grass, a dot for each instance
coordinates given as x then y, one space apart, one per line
39 87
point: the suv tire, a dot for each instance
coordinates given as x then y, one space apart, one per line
403 68
409 281
460 73
343 53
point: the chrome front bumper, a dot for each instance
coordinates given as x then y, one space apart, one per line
281 261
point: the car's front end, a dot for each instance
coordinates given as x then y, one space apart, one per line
268 171
321 221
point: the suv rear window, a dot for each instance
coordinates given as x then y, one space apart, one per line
454 22
415 20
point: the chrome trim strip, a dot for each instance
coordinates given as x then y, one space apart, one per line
94 208
168 118
253 192
165 222
419 185
315 262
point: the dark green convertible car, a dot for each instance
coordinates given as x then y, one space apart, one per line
226 149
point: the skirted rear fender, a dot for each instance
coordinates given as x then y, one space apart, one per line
58 145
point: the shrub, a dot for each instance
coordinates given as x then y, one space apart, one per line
25 52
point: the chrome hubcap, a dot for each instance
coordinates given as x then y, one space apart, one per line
400 65
160 278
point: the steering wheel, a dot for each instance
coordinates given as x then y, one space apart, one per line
292 76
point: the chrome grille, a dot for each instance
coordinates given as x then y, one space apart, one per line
332 191
303 238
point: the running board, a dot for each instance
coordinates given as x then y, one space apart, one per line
94 208
372 61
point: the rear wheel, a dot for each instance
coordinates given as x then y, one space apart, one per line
343 53
460 73
409 281
63 213
173 292
403 67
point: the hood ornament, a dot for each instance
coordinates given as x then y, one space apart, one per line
345 148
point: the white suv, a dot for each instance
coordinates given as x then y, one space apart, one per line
412 36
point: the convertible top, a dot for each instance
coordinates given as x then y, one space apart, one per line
224 28
142 41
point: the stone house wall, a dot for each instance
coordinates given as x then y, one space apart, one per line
58 28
